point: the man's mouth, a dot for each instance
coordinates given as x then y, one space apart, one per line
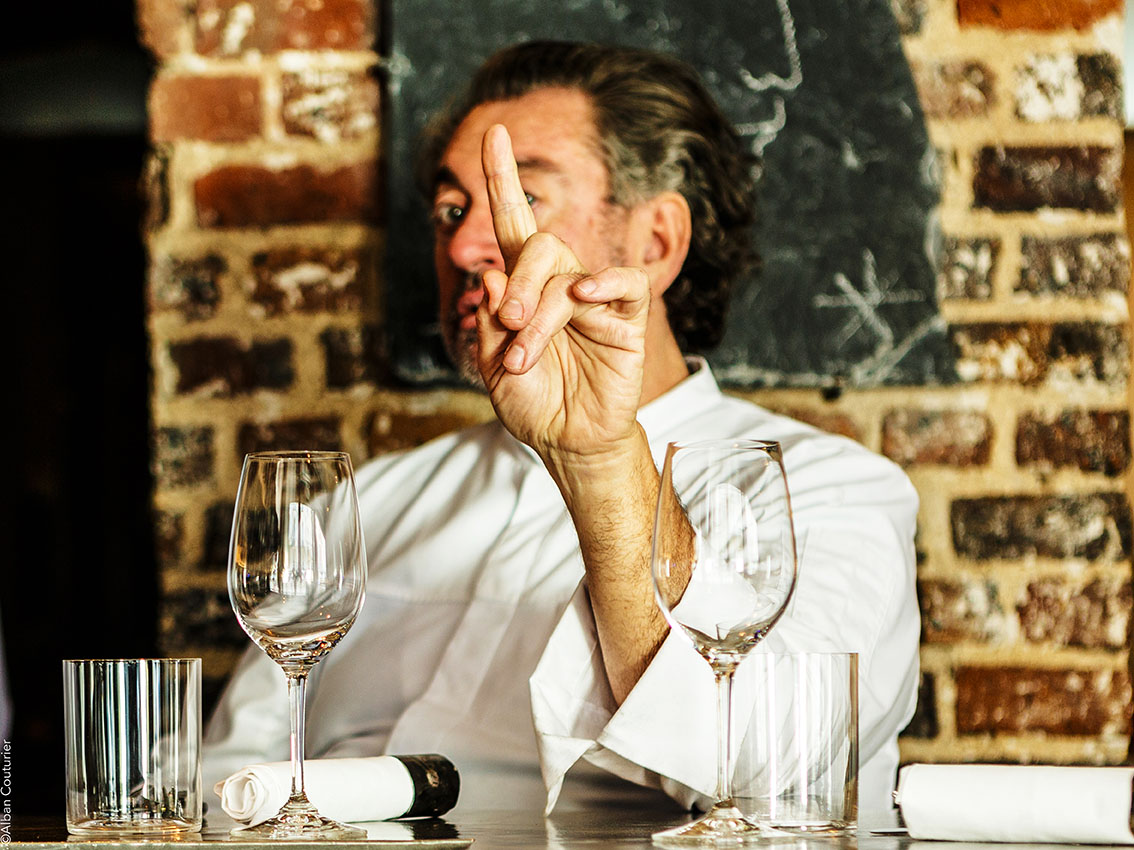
468 302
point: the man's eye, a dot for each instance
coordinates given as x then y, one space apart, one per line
447 216
530 198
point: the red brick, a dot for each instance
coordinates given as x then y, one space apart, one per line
212 109
218 530
188 286
390 432
1025 179
169 537
326 24
1066 613
924 722
833 423
1035 14
329 104
992 700
230 27
961 610
200 617
252 196
1087 525
353 356
1066 87
1029 353
1089 440
967 267
182 457
954 89
1090 352
1075 266
315 433
223 366
1101 74
311 280
996 351
947 437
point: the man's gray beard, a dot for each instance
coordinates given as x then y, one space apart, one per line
460 345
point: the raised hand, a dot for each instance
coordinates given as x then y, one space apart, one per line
561 350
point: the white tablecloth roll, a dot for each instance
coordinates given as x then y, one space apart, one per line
350 790
1017 803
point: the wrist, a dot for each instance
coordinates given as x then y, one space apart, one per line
593 483
599 464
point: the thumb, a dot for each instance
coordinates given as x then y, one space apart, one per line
495 283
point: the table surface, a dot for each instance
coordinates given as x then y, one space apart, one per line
610 828
607 828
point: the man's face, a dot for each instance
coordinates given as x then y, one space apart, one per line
557 151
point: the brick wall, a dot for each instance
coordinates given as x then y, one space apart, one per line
265 239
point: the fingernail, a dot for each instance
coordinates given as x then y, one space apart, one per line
511 309
514 359
586 287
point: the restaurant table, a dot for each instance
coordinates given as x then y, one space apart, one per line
611 828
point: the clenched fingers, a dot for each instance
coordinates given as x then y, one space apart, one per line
608 308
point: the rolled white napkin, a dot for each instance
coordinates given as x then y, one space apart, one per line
350 789
1017 803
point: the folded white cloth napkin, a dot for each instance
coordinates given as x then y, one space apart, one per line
350 790
1018 803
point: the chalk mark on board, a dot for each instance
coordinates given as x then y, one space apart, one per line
763 133
791 48
864 302
875 369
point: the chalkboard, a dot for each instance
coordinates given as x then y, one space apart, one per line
847 195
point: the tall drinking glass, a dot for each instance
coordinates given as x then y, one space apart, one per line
296 580
724 569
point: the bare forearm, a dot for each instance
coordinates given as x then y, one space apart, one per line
612 502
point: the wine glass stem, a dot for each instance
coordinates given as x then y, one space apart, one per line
297 699
724 735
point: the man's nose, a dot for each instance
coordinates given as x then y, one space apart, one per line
473 245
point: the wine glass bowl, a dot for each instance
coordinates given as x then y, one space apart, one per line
296 581
724 570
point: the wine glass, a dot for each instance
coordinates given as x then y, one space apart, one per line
296 580
724 569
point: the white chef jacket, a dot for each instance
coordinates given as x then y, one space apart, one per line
477 641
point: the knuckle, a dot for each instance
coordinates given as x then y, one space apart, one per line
554 312
505 209
520 282
543 242
562 282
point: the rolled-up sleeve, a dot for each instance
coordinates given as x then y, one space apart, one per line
855 516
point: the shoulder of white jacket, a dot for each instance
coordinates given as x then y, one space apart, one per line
475 441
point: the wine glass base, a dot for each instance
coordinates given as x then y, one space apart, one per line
721 826
305 826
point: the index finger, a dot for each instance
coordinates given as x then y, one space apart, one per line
512 216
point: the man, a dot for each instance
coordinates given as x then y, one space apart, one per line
591 205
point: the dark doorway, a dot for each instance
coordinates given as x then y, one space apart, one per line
79 579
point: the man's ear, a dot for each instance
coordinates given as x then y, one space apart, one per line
666 226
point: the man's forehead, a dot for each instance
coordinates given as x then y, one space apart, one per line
525 165
550 128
